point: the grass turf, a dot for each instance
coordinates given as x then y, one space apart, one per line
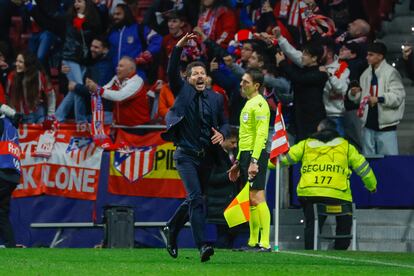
41 261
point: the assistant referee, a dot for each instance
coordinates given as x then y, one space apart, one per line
252 158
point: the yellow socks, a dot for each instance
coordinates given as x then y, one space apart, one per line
254 224
264 215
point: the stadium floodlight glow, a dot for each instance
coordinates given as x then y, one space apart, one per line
301 221
298 237
402 47
393 64
412 29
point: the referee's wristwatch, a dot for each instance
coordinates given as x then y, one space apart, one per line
254 160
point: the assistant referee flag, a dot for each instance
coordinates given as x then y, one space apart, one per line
238 211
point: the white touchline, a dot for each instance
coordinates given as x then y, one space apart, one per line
347 259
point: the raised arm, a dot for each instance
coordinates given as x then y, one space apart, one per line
293 54
173 71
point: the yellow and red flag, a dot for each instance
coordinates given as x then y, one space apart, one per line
238 210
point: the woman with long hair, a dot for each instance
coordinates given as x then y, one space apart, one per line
29 90
83 24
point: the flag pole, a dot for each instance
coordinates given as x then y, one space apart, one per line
276 213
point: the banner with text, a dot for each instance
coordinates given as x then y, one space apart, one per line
72 170
145 169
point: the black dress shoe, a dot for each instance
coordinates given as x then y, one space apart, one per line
206 252
171 243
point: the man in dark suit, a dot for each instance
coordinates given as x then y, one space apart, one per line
220 191
196 124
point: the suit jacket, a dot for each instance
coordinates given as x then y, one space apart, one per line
220 190
184 94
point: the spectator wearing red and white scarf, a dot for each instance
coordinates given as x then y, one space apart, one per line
128 93
381 99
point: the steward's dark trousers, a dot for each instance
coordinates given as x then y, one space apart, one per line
6 231
343 223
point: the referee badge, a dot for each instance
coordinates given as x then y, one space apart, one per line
245 117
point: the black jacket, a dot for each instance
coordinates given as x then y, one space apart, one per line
356 67
49 16
220 190
309 109
77 44
184 94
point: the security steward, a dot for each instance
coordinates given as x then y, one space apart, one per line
327 160
196 124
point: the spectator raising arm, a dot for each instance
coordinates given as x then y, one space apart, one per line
294 55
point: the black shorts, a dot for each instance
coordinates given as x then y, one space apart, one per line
259 182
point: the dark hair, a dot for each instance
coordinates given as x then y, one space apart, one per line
129 18
353 47
329 43
233 133
314 49
252 42
92 18
175 14
260 55
327 124
256 75
27 81
377 47
103 40
192 65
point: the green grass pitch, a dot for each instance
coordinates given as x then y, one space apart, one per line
41 261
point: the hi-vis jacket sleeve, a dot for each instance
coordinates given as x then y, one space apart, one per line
361 167
262 115
294 155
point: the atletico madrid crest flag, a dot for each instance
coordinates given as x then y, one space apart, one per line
280 144
135 164
238 211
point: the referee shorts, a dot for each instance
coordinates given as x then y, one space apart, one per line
259 181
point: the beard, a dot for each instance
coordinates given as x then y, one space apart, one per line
120 24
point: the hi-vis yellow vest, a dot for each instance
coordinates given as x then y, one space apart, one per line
325 165
326 168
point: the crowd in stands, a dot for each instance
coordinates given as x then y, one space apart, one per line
318 57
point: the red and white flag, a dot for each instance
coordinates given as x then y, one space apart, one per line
280 144
294 14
